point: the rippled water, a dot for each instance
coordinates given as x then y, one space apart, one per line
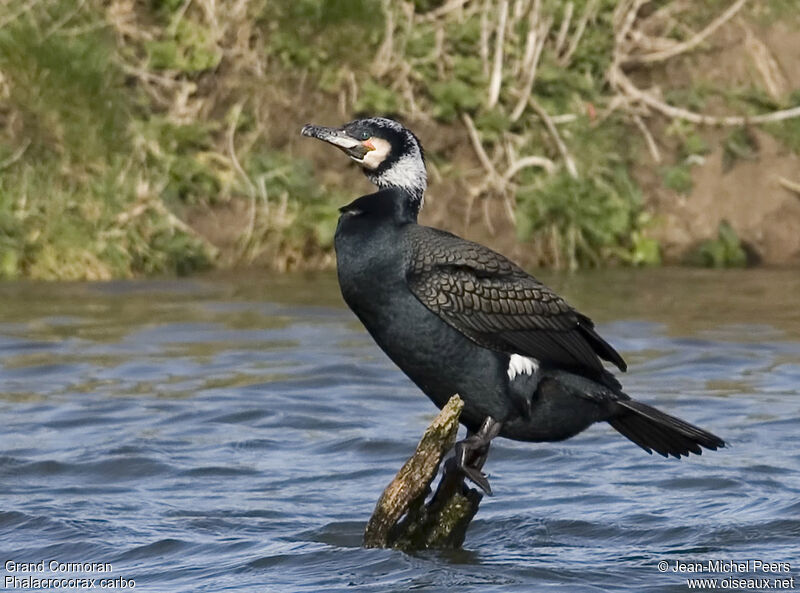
233 434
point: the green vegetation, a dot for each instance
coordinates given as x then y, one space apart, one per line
679 178
119 121
591 219
788 132
102 149
74 201
725 251
739 144
590 216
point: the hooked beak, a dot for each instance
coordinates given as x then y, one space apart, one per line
352 147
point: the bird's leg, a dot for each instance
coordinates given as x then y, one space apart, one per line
471 453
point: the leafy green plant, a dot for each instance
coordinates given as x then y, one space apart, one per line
739 144
584 221
190 48
788 131
725 251
311 34
679 178
453 97
66 89
693 145
291 208
645 251
376 98
96 230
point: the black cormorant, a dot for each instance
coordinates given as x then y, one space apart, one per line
457 317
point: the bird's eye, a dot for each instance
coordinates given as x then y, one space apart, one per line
363 135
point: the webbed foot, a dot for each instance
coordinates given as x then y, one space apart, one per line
471 453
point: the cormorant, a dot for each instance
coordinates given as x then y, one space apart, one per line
457 317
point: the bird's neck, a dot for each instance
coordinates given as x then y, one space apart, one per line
394 204
410 200
406 175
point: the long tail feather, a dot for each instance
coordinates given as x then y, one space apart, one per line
654 430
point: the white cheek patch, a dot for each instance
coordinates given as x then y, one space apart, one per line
374 158
521 365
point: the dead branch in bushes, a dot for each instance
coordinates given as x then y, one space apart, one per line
632 47
684 46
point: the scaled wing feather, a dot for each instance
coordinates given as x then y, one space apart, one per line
499 306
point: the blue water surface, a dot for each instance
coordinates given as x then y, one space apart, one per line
234 434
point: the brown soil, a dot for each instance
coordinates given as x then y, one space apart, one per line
764 214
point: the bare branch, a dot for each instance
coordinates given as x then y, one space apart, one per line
383 57
551 127
562 32
497 68
588 13
649 42
26 7
16 155
252 190
479 151
540 37
484 41
564 118
765 63
444 10
487 217
618 79
690 43
529 161
64 20
624 17
531 39
648 138
409 487
792 186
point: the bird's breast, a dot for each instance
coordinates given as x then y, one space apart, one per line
369 265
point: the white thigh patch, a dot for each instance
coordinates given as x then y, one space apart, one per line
521 365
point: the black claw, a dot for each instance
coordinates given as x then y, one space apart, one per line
478 478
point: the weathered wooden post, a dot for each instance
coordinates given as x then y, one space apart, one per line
402 519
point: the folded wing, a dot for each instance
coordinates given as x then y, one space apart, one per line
495 303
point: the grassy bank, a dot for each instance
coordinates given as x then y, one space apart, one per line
122 123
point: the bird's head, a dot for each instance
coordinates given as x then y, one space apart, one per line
389 154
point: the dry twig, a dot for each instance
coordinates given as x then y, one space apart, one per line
588 13
479 151
648 138
497 67
383 57
539 35
529 161
444 9
690 43
551 128
484 39
621 81
792 186
630 94
16 155
766 64
564 29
